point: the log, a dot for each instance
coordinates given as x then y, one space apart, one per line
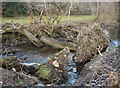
44 39
31 37
24 32
59 44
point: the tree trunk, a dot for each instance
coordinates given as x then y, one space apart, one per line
31 37
58 44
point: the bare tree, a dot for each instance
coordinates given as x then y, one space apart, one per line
69 10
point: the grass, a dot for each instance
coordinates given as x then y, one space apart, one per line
27 19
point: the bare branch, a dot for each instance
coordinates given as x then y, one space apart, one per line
69 10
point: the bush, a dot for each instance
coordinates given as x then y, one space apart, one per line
11 9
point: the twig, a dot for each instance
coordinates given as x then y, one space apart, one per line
96 66
40 18
75 30
45 4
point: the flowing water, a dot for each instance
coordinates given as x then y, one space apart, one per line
33 54
37 55
115 38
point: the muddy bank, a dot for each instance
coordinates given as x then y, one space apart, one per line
10 78
107 73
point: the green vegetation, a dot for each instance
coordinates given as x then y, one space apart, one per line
27 19
44 72
20 82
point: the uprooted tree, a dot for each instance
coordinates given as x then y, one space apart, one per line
42 31
88 40
12 28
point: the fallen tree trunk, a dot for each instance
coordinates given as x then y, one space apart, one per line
31 37
58 44
21 30
46 40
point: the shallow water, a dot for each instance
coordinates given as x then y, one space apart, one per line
115 38
33 54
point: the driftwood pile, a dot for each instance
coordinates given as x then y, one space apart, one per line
19 28
88 38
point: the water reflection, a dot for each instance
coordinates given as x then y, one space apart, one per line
116 43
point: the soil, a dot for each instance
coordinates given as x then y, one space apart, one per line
10 78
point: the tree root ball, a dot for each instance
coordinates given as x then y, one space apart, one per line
89 40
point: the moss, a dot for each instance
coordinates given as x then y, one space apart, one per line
44 72
113 47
